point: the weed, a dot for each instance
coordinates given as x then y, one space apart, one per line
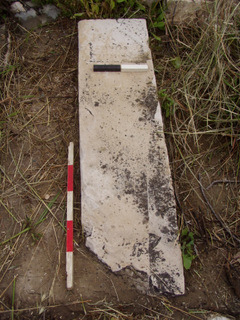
187 240
102 9
99 8
156 37
167 102
176 62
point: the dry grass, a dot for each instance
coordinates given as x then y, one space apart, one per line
34 133
202 106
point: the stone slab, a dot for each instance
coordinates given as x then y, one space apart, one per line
128 205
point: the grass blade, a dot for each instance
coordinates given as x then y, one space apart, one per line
11 214
13 298
46 210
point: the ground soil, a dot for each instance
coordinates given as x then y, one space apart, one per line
44 92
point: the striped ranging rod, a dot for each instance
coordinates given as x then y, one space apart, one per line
69 242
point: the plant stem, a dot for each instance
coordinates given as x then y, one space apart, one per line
8 211
13 298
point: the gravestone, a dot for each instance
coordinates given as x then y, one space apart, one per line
128 205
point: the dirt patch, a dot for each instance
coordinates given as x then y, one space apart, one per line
40 118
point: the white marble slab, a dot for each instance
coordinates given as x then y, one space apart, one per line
128 205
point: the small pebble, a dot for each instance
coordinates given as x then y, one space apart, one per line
51 11
217 317
31 18
17 7
24 16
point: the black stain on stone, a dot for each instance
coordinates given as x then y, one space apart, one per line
160 190
164 283
138 249
154 252
118 157
141 196
129 188
172 219
104 167
91 50
165 230
133 185
149 103
153 241
160 194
